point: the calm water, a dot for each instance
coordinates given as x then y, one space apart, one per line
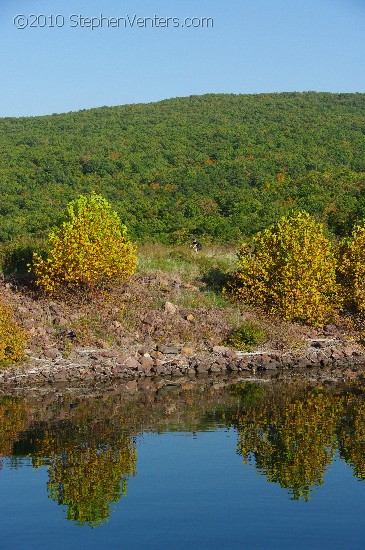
246 466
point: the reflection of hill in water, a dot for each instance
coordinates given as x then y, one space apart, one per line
289 431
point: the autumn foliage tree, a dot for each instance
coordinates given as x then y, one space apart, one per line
352 269
290 271
88 247
12 337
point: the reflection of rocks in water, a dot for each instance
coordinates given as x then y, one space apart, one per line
289 429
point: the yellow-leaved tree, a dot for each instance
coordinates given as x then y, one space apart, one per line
12 337
290 271
352 269
89 246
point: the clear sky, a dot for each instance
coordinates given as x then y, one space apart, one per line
248 46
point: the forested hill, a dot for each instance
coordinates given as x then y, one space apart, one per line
214 166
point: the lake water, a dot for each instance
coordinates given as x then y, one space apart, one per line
253 465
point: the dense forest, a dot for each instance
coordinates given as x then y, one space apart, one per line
218 167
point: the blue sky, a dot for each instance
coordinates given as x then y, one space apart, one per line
253 46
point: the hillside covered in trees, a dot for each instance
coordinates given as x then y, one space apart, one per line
219 167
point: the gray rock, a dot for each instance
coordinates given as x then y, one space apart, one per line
167 350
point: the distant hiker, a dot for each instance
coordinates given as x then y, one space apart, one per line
196 245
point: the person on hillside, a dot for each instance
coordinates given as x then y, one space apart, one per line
196 245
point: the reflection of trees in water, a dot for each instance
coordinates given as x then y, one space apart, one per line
88 470
87 479
351 434
288 431
291 439
13 420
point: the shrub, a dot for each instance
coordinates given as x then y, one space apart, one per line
12 337
291 271
89 246
351 269
246 336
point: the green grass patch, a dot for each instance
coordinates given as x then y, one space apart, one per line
245 337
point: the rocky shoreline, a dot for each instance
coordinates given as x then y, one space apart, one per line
322 358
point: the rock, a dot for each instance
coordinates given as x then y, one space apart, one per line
336 354
109 353
156 354
202 368
231 366
131 385
168 350
215 367
145 364
132 363
360 359
330 329
60 375
323 359
222 361
149 319
317 344
181 362
221 349
158 367
187 351
303 363
170 308
348 351
60 321
176 371
117 369
190 317
51 353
